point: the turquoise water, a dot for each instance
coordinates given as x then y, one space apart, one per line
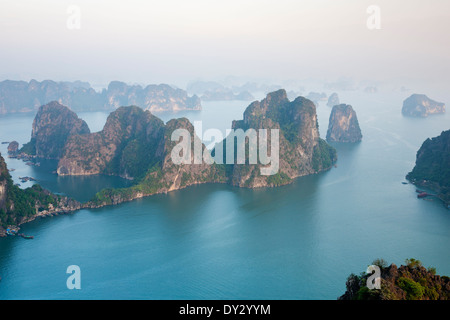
299 241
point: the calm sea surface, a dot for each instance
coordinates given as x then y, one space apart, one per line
299 241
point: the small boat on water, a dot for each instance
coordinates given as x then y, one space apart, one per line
422 195
25 236
11 232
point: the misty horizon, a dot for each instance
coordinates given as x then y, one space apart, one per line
246 41
231 150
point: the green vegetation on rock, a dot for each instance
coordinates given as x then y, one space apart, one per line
17 204
432 167
278 179
136 144
324 156
301 150
411 281
29 148
52 126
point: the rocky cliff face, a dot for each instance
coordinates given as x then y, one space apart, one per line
130 142
432 167
301 151
165 175
13 147
343 125
177 176
4 175
52 126
136 144
21 96
19 206
419 105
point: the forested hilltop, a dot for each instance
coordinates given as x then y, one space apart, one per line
411 281
18 206
432 169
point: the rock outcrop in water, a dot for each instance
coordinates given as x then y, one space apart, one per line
301 150
19 206
132 142
52 126
136 144
155 98
432 169
407 282
165 176
333 100
13 148
419 105
343 125
21 96
129 143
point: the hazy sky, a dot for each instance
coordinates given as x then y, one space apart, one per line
175 41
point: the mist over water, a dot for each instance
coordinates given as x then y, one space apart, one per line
212 241
177 41
299 241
